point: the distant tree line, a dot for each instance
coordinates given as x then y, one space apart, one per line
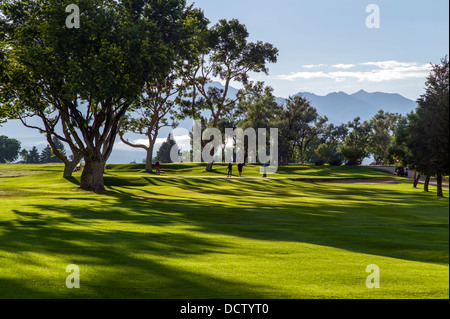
47 155
307 137
10 152
421 139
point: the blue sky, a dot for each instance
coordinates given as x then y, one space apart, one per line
325 46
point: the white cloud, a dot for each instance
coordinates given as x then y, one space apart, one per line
390 64
311 66
343 66
302 75
384 71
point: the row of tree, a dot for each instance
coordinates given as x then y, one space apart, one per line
140 65
421 139
10 152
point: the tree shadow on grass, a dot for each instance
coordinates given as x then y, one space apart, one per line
131 259
368 220
374 221
386 222
327 171
73 180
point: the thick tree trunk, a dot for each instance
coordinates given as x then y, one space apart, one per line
69 166
439 186
427 183
92 176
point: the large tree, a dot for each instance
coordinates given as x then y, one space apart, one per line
354 147
383 125
400 154
163 154
328 150
46 155
256 111
22 99
154 110
88 77
33 156
156 106
229 56
304 125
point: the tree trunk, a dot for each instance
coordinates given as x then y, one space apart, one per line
416 179
439 186
92 175
149 160
209 167
69 166
427 183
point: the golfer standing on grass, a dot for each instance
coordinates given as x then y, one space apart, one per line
240 165
230 170
157 168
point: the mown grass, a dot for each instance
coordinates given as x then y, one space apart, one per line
252 170
190 234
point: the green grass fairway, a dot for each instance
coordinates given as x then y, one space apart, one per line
190 234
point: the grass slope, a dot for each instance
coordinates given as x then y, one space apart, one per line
190 234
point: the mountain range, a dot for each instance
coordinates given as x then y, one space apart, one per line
339 107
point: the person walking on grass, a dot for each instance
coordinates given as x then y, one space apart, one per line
265 170
157 168
240 166
230 170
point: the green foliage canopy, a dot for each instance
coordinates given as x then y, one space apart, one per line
86 78
9 149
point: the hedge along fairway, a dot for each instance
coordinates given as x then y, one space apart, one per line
190 234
